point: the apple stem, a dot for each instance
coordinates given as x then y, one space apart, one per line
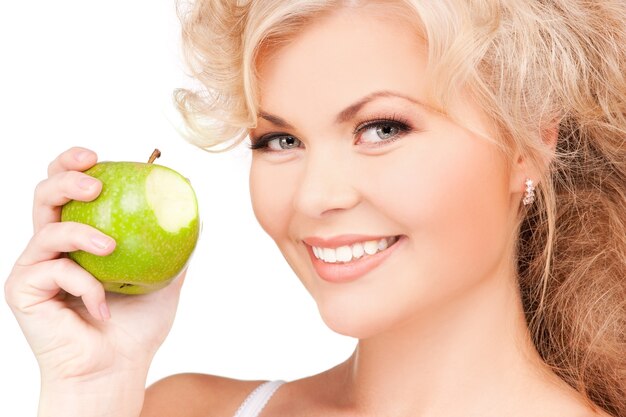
155 155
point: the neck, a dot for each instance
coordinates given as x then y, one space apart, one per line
459 358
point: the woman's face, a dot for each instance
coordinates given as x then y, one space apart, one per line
353 154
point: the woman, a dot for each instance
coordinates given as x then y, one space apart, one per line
447 180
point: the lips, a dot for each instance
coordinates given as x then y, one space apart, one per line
340 272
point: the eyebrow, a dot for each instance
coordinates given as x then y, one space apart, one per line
346 114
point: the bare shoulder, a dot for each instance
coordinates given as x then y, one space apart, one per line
570 404
595 412
598 413
196 395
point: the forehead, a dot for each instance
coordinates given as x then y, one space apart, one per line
341 57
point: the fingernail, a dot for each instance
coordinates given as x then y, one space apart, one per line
86 183
101 242
104 312
82 156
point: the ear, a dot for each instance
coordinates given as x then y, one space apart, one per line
523 169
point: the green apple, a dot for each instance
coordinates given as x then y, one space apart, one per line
152 213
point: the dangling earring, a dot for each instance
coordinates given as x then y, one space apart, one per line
529 197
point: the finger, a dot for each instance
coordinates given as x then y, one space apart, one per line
74 159
168 294
56 238
180 280
28 287
177 283
51 194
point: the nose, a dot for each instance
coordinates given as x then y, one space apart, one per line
326 184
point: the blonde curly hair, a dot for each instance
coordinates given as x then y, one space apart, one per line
531 65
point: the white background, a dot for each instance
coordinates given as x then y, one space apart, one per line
101 75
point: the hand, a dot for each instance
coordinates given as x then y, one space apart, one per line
75 333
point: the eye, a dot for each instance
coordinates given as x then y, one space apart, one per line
381 131
275 142
279 143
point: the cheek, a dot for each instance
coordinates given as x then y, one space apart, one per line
450 195
270 193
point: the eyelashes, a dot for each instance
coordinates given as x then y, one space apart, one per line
384 129
261 143
384 126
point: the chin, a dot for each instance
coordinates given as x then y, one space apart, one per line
359 323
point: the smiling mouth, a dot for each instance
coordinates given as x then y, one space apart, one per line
350 253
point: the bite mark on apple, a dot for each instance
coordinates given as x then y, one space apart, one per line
171 198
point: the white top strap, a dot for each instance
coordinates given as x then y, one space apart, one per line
254 403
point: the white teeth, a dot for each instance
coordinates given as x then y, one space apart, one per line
344 254
371 247
329 255
356 251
